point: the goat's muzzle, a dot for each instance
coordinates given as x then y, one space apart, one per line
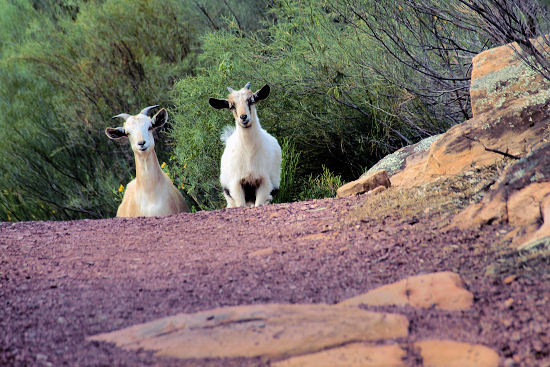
245 123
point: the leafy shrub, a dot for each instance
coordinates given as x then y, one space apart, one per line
65 68
320 186
289 187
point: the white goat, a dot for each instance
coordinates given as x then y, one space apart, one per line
251 162
151 193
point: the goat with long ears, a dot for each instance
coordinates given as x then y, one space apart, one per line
250 170
151 193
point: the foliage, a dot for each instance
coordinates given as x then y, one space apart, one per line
289 179
65 67
323 185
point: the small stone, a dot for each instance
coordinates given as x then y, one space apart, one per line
377 190
41 357
261 253
364 184
443 290
509 279
509 302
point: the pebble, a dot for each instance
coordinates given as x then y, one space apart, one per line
509 362
509 279
509 302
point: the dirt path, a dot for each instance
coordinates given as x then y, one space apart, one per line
61 282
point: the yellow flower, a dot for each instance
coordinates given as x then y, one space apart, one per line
163 165
53 211
9 218
121 188
399 7
184 165
181 186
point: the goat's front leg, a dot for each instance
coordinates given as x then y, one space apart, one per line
237 194
228 198
263 194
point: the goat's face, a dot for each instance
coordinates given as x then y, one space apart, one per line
242 103
139 129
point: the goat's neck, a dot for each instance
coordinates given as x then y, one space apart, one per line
250 135
148 172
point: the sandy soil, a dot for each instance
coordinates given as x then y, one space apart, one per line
63 281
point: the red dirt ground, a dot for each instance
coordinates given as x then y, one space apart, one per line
61 282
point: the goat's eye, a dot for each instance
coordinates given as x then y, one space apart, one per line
232 107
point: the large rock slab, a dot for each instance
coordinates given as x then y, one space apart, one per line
521 198
448 353
501 80
351 355
443 290
364 184
510 114
405 157
268 330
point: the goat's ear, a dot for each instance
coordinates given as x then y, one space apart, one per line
159 119
262 93
115 132
218 103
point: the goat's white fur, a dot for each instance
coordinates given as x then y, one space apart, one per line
251 156
151 193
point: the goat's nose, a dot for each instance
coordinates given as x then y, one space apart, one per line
243 117
141 143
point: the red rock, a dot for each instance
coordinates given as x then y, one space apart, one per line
365 184
351 355
443 290
509 115
448 353
521 199
269 330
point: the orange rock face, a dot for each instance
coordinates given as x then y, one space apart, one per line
509 115
365 184
268 330
440 290
447 353
521 199
351 355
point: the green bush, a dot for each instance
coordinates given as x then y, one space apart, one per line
321 186
65 68
289 186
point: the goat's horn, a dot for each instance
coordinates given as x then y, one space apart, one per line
247 86
145 111
122 116
230 89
